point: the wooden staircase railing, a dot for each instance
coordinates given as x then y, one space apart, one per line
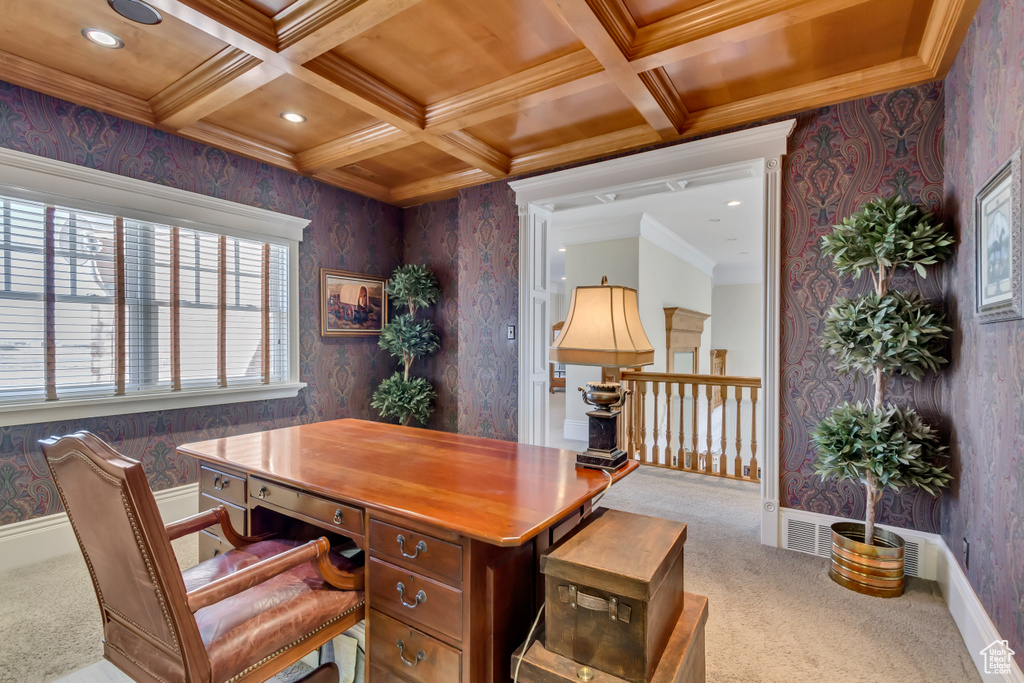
674 409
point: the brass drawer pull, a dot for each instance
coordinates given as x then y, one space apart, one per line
220 484
420 656
420 596
338 516
262 493
421 547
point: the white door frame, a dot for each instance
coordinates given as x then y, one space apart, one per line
754 152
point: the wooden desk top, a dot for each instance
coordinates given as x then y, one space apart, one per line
500 492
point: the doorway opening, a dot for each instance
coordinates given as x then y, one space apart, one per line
695 229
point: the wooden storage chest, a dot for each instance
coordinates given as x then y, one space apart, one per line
614 592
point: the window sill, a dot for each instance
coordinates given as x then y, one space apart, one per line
74 409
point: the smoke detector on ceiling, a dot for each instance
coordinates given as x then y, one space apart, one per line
137 11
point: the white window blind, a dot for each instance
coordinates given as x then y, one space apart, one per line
95 305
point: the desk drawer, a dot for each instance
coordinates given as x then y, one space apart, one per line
394 647
416 550
222 485
344 518
413 597
235 514
211 545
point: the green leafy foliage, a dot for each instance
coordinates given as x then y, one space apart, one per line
895 332
892 443
413 286
404 399
890 233
409 337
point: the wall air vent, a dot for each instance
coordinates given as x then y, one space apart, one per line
816 539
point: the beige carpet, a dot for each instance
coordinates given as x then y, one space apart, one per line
774 614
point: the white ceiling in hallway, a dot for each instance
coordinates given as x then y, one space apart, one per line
730 237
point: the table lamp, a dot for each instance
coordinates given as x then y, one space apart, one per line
603 328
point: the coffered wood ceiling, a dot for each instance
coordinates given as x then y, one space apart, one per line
410 100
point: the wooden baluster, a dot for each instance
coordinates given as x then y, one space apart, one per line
694 409
723 396
738 469
708 458
628 416
753 434
656 449
668 424
643 422
682 428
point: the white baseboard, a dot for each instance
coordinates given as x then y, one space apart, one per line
576 430
43 538
935 562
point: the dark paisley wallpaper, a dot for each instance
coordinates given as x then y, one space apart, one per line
838 158
984 392
348 231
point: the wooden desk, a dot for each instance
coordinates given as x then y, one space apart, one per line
453 527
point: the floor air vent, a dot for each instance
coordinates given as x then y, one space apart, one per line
816 539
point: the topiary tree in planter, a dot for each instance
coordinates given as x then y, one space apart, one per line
878 334
402 396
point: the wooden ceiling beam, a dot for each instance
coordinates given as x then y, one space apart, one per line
362 186
236 15
947 24
309 28
50 81
581 18
225 139
544 82
703 30
369 142
440 187
589 148
224 78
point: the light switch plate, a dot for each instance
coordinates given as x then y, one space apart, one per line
510 332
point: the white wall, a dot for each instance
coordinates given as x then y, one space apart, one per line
737 315
666 281
584 265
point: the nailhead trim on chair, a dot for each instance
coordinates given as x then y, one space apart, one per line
124 654
312 633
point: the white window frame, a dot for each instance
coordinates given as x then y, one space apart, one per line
31 177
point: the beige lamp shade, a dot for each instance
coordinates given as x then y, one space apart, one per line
603 328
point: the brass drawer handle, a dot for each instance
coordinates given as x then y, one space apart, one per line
420 656
420 596
338 516
220 484
262 493
421 547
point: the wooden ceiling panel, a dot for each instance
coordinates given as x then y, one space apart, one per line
859 37
271 7
583 115
441 48
646 12
49 32
407 165
258 115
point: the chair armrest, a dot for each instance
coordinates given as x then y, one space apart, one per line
246 578
203 520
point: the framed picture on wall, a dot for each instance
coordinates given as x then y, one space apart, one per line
352 304
998 244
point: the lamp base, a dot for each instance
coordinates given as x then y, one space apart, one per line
611 461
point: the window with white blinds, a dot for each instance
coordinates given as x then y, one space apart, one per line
95 305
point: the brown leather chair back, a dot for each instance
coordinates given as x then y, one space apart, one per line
133 568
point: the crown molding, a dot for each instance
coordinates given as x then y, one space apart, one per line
657 234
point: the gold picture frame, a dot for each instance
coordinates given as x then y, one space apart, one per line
352 304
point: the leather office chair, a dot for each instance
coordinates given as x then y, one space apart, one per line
242 616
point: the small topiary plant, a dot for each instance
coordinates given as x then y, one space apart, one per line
407 337
879 334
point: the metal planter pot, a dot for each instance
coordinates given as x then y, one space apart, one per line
869 569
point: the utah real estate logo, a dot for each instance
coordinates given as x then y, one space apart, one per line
998 657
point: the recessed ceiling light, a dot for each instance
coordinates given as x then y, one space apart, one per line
714 220
563 277
103 38
561 249
744 253
730 239
137 11
292 117
734 202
